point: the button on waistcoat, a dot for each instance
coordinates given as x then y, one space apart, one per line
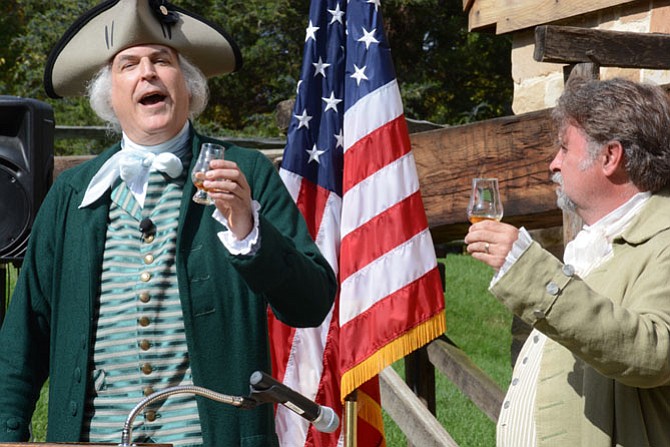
140 343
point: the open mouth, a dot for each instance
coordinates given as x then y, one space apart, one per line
152 99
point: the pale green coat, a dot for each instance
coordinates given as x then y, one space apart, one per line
611 386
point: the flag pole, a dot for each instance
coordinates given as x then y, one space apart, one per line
350 419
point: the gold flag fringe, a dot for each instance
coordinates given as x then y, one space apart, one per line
389 353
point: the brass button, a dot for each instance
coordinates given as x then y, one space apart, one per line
149 239
145 297
148 259
145 345
144 321
147 368
150 415
145 276
148 391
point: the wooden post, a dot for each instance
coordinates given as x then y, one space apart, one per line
419 371
420 378
572 223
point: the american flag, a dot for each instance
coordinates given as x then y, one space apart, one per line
349 167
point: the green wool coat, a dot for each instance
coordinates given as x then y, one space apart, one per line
50 322
605 370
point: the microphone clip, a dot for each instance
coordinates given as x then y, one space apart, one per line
148 228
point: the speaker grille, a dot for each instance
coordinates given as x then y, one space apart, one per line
26 167
15 215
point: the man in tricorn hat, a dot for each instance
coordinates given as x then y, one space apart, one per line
128 286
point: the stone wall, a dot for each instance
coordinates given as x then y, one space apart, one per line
537 85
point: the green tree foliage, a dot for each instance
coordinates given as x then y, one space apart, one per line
447 75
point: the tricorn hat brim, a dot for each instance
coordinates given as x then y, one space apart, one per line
114 25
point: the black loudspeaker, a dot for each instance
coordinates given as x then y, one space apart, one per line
26 169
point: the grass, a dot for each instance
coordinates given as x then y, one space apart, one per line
480 326
477 323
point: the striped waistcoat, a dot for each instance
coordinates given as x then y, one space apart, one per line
140 343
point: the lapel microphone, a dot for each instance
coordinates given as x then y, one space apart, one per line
147 227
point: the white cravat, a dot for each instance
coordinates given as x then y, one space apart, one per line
133 164
593 244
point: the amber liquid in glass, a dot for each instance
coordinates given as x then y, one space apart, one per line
476 219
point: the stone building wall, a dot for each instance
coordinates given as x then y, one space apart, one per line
537 85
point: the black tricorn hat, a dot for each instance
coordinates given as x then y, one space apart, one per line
114 25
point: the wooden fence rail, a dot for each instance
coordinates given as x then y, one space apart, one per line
441 155
517 150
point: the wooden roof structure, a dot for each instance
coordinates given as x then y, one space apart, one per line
505 16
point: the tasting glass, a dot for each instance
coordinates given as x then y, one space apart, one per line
208 152
484 201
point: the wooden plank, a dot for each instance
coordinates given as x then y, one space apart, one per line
571 45
516 149
101 132
513 15
467 4
416 422
528 13
61 163
467 376
483 14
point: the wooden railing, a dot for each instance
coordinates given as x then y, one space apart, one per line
514 149
517 150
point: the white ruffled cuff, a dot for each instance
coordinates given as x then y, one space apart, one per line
247 246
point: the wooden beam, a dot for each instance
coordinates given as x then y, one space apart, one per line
61 163
467 4
416 422
483 14
516 149
101 132
572 222
512 15
571 45
467 376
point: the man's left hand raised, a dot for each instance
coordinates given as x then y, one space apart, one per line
490 242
